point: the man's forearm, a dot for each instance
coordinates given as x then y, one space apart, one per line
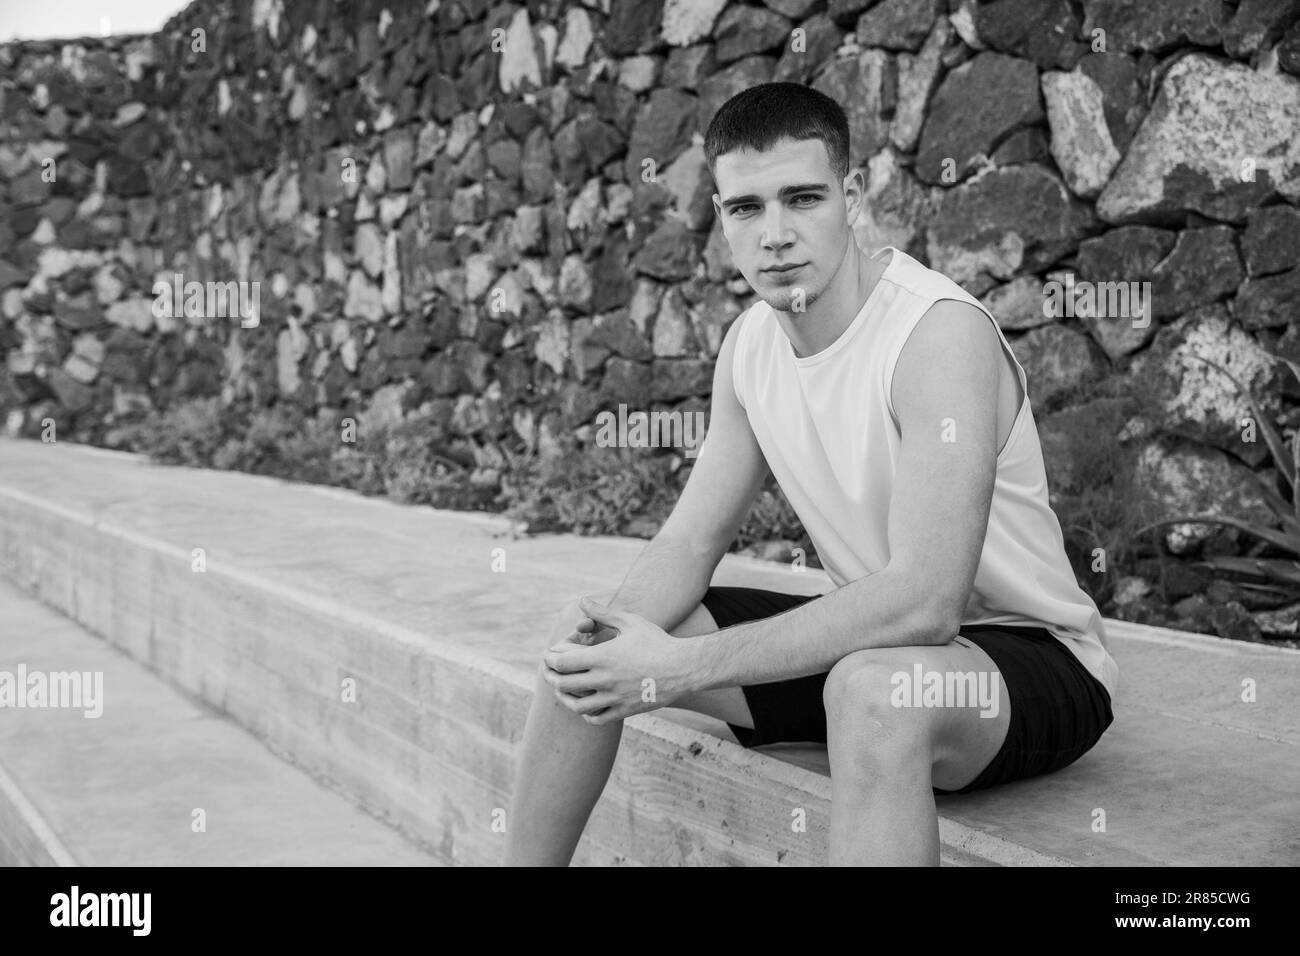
665 583
880 610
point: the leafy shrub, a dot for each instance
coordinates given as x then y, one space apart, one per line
590 490
1278 573
1102 507
190 433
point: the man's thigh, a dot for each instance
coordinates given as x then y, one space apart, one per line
723 703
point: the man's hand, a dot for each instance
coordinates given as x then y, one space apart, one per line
640 670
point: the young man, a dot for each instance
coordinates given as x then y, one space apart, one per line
956 652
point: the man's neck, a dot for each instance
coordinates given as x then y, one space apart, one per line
826 319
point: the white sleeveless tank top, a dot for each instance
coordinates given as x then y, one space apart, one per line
827 428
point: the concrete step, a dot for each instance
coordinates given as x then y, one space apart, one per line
156 778
306 588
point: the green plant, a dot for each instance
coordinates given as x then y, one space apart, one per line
771 516
589 490
1093 489
1273 575
186 434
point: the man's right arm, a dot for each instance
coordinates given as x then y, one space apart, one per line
670 576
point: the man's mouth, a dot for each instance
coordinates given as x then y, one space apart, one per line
787 268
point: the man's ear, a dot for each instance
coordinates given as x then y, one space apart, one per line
854 194
717 203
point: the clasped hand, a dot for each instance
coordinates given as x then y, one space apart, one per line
641 669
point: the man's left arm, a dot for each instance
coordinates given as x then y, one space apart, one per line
945 392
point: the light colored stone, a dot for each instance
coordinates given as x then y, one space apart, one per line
267 13
672 330
368 245
319 365
364 300
895 206
916 80
550 38
638 73
290 346
646 296
385 409
392 209
518 55
1080 143
89 347
431 140
348 355
1211 124
540 277
81 370
340 332
573 49
552 346
575 282
11 303
464 127
1205 396
479 274
506 297
333 267
585 208
1018 304
298 103
304 297
365 210
133 313
689 21
1194 480
128 113
618 200
963 21
376 174
385 119
391 296
684 178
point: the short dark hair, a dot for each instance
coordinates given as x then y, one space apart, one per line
758 117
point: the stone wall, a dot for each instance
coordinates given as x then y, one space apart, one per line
445 206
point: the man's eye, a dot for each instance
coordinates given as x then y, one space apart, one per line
737 210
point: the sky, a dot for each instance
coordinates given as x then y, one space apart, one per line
44 19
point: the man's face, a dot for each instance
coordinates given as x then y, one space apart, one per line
786 207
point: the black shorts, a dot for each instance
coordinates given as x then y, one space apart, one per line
1058 709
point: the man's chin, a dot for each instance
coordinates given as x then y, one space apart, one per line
785 301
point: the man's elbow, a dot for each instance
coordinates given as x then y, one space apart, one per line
936 614
940 622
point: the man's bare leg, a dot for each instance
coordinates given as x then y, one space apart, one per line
565 762
885 759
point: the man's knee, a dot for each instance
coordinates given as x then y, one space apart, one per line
566 619
864 710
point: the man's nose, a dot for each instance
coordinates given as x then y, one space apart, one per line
774 230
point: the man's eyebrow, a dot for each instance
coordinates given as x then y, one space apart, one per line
785 191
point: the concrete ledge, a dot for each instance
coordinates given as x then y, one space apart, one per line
307 588
122 788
